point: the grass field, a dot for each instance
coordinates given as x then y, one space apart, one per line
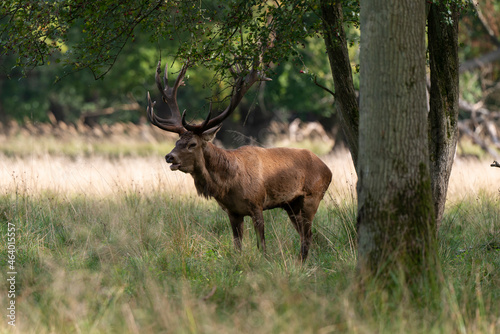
113 243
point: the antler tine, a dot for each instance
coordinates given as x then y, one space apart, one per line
171 92
163 123
242 85
158 81
165 74
196 128
180 78
169 95
151 105
205 122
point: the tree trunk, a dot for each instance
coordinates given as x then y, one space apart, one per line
443 114
345 96
396 225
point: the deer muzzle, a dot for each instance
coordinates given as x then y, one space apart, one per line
171 159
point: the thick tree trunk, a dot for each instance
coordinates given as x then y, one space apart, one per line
443 114
396 225
345 96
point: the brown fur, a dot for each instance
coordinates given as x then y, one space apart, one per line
251 179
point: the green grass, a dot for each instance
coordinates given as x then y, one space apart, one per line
152 263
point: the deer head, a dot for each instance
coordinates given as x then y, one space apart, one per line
188 149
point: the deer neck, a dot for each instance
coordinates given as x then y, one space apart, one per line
213 174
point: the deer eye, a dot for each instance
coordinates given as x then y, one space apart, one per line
191 146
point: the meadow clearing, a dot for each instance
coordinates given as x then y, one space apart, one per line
111 241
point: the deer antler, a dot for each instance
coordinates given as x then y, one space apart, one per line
169 95
177 123
240 88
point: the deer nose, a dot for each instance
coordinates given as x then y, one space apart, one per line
169 158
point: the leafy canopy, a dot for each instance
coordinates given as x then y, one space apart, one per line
91 34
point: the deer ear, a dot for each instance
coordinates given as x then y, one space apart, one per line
209 134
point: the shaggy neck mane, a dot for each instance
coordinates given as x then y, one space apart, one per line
212 178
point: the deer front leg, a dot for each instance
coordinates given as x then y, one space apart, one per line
258 224
237 226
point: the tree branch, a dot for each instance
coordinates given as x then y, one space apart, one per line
478 141
480 61
484 23
322 87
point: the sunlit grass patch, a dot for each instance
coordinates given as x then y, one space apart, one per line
317 146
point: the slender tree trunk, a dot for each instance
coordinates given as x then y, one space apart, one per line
443 114
345 97
396 225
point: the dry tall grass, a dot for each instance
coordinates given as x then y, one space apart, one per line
472 177
93 176
99 176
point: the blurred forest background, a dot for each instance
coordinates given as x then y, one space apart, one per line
53 96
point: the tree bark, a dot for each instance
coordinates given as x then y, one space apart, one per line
444 95
338 55
396 225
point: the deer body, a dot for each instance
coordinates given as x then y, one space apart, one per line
253 177
248 180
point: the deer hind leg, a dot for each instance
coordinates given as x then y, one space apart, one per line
301 213
303 227
258 224
237 226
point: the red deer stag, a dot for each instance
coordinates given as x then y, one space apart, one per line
247 180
